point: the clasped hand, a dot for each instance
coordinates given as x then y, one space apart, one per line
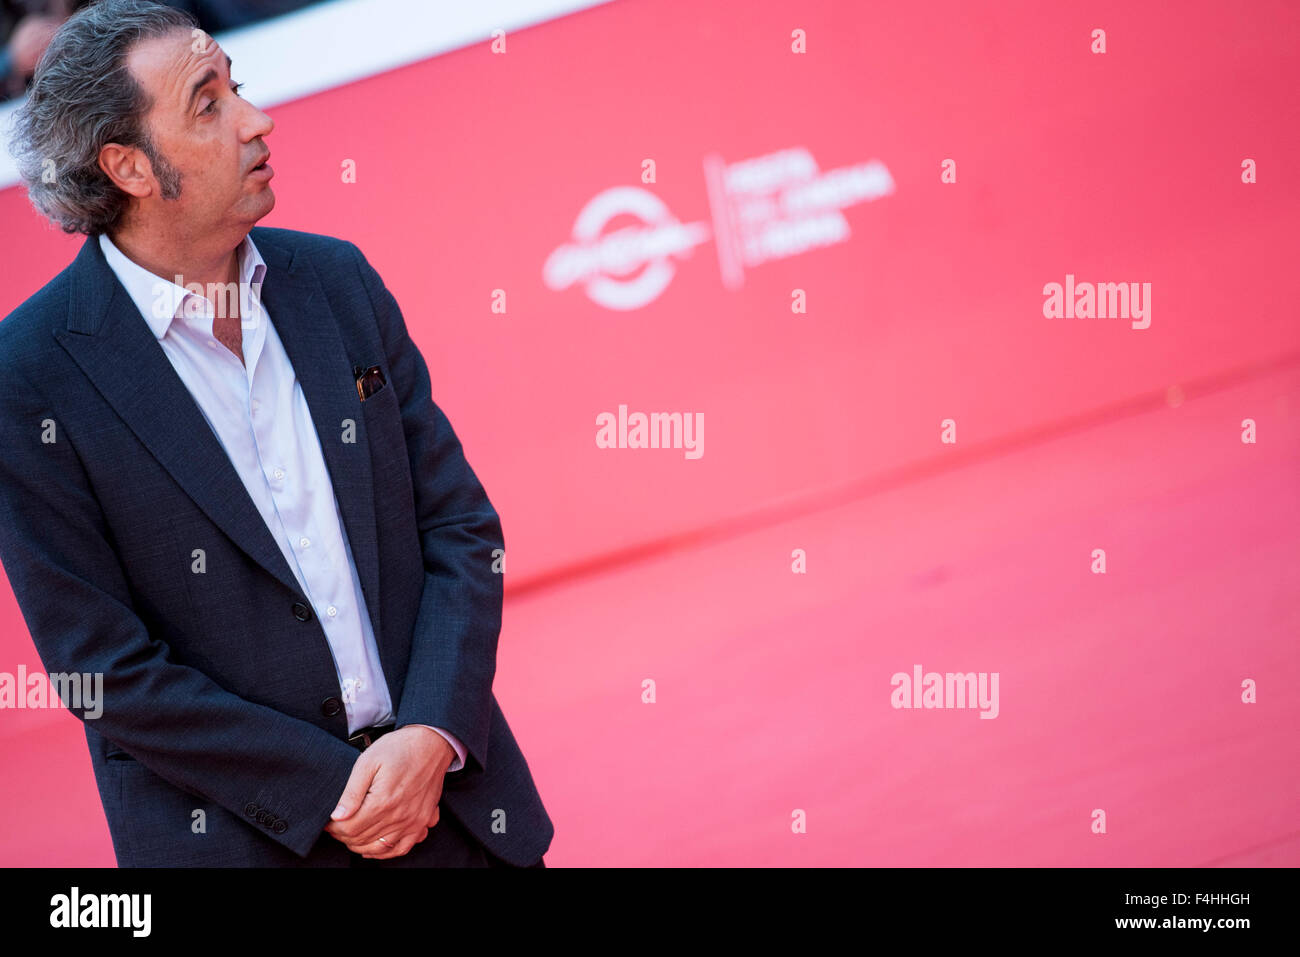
393 793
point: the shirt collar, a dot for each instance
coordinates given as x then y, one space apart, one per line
161 300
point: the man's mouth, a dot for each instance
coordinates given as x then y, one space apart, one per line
262 165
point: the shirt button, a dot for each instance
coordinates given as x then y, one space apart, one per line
278 473
331 611
304 542
256 405
212 344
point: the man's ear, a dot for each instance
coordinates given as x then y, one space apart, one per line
128 168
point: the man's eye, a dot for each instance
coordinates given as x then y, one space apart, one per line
234 89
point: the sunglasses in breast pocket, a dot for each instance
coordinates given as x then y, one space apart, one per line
369 381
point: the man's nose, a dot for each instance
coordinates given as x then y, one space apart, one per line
259 124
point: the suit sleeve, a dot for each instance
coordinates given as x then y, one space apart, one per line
453 651
76 601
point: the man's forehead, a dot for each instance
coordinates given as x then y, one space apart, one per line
167 65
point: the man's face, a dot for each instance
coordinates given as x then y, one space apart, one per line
207 138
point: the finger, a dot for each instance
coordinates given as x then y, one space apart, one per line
404 848
390 847
396 848
375 817
371 821
433 820
386 824
363 772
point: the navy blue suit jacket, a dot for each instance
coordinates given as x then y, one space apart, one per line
217 695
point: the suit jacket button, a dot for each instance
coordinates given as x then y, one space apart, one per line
301 611
250 809
280 826
330 707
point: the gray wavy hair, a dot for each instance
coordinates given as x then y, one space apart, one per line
81 98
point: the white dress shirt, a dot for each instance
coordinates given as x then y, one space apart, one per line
258 412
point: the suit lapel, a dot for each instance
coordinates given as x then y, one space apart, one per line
115 348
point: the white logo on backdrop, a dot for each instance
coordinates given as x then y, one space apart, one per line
769 207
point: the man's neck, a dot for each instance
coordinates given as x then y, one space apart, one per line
208 264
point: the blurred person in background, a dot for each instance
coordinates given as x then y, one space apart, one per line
25 31
26 27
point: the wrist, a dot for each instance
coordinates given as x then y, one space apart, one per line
446 752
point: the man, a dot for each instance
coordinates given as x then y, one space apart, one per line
244 510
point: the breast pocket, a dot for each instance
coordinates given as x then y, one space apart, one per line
379 389
383 417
